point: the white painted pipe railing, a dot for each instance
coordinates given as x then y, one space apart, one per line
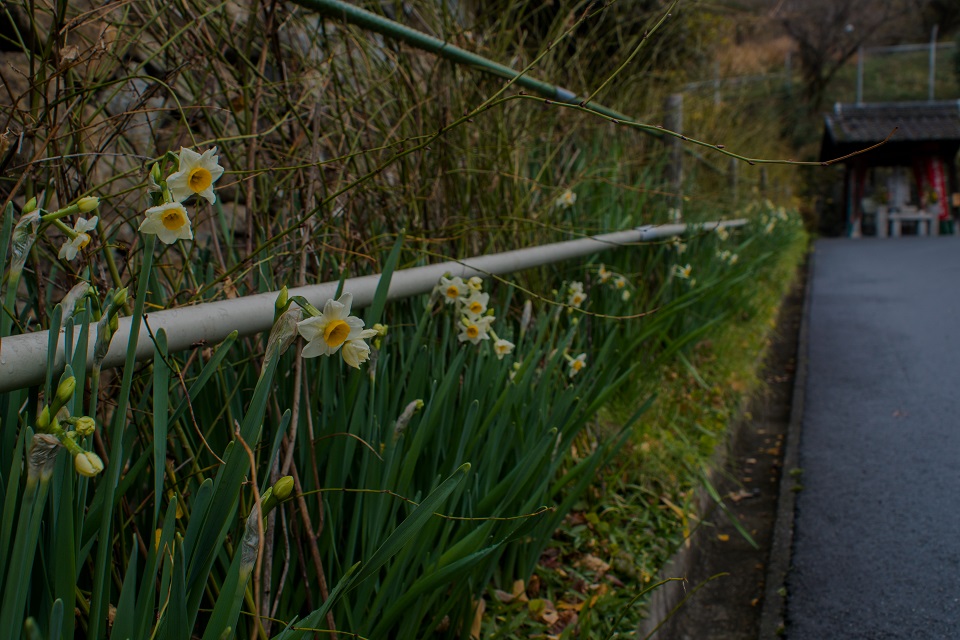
23 358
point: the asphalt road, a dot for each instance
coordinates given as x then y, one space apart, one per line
877 530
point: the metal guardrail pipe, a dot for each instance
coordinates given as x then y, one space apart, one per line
392 29
23 358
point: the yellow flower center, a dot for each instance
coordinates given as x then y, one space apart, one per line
453 291
335 333
84 240
199 180
173 219
577 365
476 307
473 331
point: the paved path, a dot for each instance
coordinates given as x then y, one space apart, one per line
877 537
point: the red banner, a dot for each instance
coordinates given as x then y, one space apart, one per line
937 181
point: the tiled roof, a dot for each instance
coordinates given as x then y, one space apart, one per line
915 121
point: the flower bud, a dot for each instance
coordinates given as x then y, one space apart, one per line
85 426
283 488
87 464
65 391
89 203
30 206
282 299
43 420
119 298
381 329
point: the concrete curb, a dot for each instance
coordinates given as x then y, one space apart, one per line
772 617
665 599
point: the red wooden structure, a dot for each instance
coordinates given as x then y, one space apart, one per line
912 178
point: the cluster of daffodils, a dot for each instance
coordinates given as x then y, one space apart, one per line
471 305
335 330
684 273
678 245
566 199
614 280
195 175
33 218
55 415
777 214
725 255
728 256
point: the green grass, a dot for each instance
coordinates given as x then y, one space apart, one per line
896 77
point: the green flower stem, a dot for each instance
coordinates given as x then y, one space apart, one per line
55 216
65 229
108 256
65 439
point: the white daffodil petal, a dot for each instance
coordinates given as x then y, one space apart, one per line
82 226
355 352
169 221
502 348
195 175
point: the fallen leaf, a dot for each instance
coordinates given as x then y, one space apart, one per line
503 596
723 537
593 563
564 620
533 586
519 591
478 620
742 494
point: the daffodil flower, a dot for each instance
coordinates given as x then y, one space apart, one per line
333 328
604 274
625 295
502 348
566 199
453 289
682 272
576 364
679 245
69 250
169 221
196 174
620 282
355 352
87 464
475 283
575 294
475 329
476 304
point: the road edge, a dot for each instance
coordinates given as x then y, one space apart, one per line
772 617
